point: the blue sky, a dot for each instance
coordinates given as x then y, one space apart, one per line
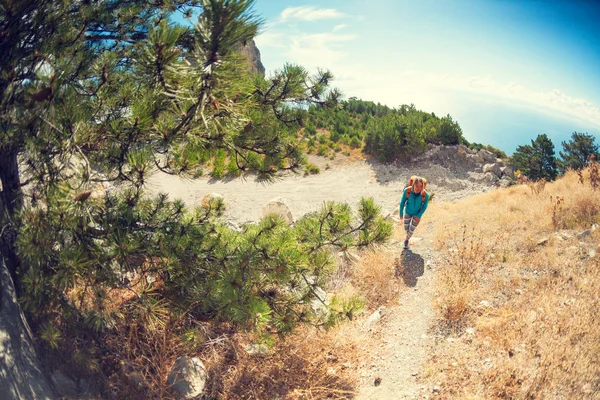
506 70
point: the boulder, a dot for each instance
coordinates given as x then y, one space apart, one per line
487 156
508 172
188 377
490 177
505 182
278 207
494 168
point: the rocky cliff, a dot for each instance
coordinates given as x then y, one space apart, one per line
252 54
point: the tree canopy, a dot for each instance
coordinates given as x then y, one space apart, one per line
537 160
96 97
576 152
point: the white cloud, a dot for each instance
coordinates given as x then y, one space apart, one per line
270 39
309 13
551 101
339 27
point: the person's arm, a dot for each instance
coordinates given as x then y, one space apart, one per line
425 204
402 204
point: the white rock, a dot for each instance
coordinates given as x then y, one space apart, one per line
257 349
188 377
493 168
375 317
470 331
490 177
484 304
278 206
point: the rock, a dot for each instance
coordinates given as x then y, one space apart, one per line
583 234
484 304
505 182
375 317
436 389
320 304
252 55
490 177
508 172
487 156
494 168
257 349
531 316
592 253
63 385
188 377
331 371
470 331
377 381
233 226
278 207
543 241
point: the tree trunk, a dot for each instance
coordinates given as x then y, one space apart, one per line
20 373
11 202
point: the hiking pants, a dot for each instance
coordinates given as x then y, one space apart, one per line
410 224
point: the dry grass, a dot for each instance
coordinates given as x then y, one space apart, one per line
312 364
530 305
374 278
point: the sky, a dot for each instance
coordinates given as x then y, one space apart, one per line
506 70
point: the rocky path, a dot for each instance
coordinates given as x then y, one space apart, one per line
402 332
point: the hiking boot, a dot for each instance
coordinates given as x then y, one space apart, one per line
406 244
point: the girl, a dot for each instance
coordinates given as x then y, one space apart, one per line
414 199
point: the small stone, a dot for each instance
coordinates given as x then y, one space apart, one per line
543 241
583 234
592 253
377 381
188 376
470 331
375 317
436 389
331 371
484 304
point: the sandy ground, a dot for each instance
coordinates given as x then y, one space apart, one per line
344 181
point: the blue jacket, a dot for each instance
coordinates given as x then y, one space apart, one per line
414 205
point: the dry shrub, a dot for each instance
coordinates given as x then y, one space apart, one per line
311 364
538 336
579 208
463 262
538 186
374 277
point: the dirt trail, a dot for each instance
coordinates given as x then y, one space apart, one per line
402 333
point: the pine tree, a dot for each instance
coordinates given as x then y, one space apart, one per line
96 96
537 160
576 152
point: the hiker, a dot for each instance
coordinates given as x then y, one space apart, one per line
414 199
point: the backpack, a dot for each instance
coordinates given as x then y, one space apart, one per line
410 185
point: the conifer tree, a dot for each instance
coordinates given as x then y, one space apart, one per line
97 96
